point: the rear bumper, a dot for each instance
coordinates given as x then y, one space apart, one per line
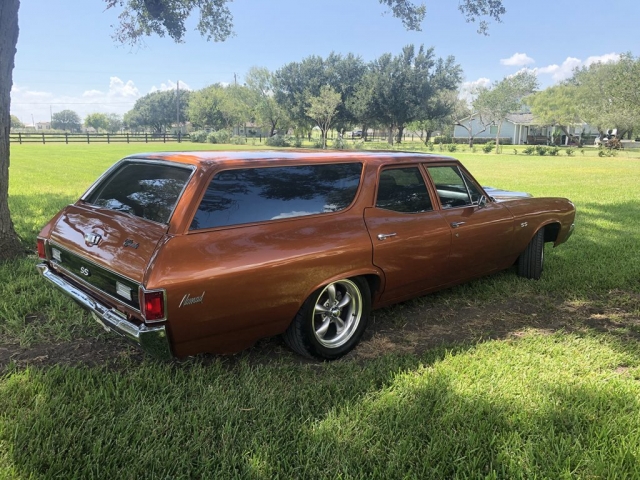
153 340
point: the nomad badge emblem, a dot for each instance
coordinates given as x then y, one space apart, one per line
130 243
188 300
92 239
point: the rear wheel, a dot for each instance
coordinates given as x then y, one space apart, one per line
531 261
331 321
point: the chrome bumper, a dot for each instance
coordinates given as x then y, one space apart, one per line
153 340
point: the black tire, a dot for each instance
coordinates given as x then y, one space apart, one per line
331 321
531 261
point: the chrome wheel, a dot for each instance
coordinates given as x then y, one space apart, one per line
337 313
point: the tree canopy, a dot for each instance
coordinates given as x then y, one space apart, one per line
158 110
66 120
16 123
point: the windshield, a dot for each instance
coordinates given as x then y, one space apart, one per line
146 190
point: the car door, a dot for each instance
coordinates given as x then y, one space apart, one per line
411 240
481 233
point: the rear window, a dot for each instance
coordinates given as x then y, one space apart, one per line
259 194
146 190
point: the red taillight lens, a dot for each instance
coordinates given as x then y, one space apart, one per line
153 304
42 252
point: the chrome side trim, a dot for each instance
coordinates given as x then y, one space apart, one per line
153 340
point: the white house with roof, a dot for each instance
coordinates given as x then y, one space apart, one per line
518 129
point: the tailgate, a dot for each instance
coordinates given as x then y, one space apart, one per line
106 249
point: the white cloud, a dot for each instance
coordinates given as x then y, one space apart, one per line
517 60
467 89
607 58
562 72
118 98
170 85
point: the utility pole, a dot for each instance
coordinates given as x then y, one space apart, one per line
178 104
235 79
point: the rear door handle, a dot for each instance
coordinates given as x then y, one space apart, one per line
457 224
384 236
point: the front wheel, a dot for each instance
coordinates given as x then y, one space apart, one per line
531 261
332 320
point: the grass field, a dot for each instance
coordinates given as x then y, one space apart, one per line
521 379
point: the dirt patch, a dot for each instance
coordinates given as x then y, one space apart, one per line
410 327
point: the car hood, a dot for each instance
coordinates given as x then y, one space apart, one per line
500 195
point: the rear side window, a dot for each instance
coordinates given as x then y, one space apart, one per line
146 190
271 193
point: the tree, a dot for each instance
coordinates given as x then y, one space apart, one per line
205 107
323 110
97 121
402 89
158 110
473 121
439 114
556 106
504 97
297 81
16 123
161 17
114 123
261 82
607 94
66 120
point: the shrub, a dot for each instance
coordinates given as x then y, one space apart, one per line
199 136
570 151
238 140
541 150
474 149
452 147
515 151
488 147
430 146
297 141
359 145
279 141
339 143
553 151
529 150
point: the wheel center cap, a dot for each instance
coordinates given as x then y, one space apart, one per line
334 312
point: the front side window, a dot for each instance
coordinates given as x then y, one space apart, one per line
450 186
258 194
403 190
146 190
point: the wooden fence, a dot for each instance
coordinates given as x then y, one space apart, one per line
45 138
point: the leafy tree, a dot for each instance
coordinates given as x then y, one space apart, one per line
439 114
556 106
205 107
139 18
607 94
504 97
297 81
66 120
402 89
16 123
114 123
97 121
323 109
158 110
261 84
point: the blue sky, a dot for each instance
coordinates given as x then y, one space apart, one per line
67 59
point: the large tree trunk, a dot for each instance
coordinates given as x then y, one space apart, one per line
400 132
10 246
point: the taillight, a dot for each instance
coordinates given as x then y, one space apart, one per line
42 252
152 305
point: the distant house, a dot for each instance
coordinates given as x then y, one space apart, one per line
520 129
43 126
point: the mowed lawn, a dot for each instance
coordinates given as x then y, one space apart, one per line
539 403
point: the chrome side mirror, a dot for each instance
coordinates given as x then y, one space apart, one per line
482 201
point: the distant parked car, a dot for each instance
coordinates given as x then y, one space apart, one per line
356 134
195 252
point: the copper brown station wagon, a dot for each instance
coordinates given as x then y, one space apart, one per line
194 252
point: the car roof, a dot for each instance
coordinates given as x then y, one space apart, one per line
236 157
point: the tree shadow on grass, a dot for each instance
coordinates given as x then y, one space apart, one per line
32 212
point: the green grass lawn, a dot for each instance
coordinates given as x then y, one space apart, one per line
539 403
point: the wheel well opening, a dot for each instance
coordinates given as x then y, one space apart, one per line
374 283
551 232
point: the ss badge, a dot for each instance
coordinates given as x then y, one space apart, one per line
85 271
